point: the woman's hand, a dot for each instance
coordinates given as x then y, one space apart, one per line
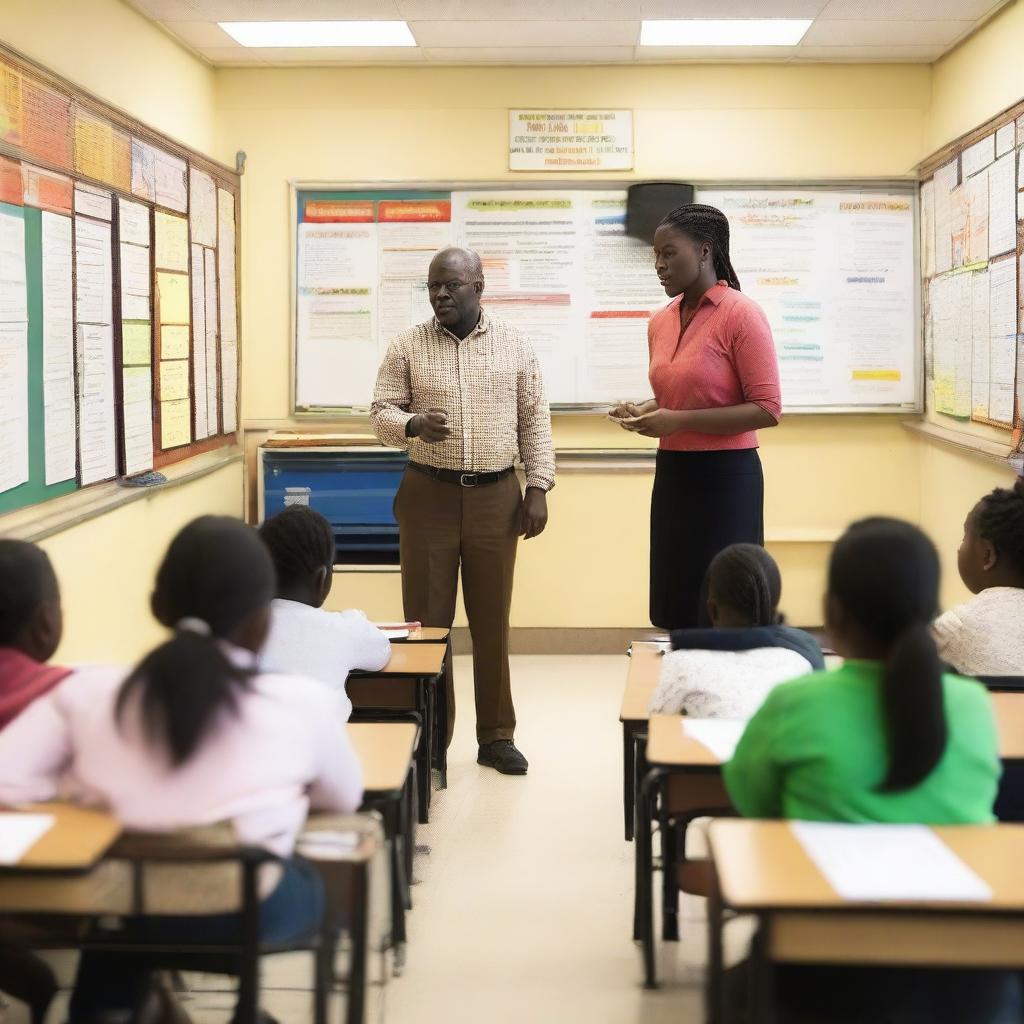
629 410
659 423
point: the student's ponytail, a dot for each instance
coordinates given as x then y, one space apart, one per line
884 577
915 714
215 576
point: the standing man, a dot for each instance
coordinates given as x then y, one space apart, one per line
463 392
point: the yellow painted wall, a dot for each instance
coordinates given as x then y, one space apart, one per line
110 49
977 80
700 122
106 565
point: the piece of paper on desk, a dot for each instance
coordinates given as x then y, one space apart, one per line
20 832
888 862
327 845
719 735
395 634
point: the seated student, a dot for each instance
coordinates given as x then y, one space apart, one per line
30 627
195 734
303 637
887 737
984 636
727 671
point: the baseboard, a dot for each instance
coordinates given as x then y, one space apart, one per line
572 640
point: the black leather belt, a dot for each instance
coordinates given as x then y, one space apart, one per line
453 476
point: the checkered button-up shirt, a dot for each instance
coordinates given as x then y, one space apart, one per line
490 386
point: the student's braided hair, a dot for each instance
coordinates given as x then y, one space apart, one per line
999 519
745 578
706 224
300 541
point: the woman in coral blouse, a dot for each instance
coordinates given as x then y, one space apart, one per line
715 379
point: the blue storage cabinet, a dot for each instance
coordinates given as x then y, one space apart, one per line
354 488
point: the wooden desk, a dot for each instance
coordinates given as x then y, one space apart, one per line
668 746
76 841
385 750
408 685
641 682
426 634
762 869
409 661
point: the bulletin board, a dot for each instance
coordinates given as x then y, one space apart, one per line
972 202
832 264
119 325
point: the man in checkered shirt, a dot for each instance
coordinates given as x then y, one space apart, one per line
464 393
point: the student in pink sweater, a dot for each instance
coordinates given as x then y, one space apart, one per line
194 735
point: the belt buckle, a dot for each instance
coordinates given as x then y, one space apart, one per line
464 480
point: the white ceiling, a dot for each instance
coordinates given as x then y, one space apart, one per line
578 31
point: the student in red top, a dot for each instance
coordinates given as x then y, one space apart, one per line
715 379
30 627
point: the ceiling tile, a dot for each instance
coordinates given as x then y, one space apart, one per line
885 33
299 10
658 9
200 34
870 54
180 10
518 10
752 54
525 33
531 55
913 10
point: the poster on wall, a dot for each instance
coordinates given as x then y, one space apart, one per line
834 271
570 140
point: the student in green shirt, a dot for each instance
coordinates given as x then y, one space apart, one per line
885 738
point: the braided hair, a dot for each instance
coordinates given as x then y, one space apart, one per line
706 224
999 519
745 578
300 541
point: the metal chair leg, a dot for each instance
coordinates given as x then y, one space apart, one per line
358 926
670 850
324 975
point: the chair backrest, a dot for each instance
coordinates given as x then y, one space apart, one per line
201 870
1003 684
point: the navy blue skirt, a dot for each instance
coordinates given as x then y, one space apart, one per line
702 502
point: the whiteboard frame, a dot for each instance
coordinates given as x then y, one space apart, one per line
909 186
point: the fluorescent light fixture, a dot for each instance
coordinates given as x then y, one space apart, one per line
728 32
319 33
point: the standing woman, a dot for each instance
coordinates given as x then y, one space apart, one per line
716 382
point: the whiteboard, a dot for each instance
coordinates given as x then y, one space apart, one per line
834 269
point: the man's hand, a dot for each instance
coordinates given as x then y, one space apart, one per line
431 426
659 423
534 516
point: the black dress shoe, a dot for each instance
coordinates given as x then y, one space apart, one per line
503 757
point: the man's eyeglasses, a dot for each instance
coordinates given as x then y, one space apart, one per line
434 287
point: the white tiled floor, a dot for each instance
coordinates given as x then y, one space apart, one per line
523 906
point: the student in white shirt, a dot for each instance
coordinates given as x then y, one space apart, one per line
728 671
304 638
196 734
985 636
